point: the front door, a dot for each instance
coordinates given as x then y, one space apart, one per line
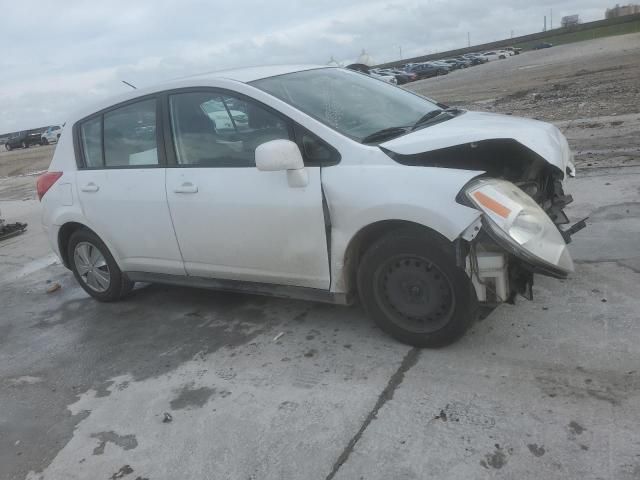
231 220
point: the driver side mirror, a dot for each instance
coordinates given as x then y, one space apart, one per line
278 155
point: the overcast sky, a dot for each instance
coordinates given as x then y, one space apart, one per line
56 56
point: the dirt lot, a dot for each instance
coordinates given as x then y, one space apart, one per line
591 90
260 388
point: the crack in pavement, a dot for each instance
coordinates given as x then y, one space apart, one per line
409 360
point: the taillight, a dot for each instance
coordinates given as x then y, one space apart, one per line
45 182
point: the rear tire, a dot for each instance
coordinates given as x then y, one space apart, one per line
95 268
8 147
24 145
410 285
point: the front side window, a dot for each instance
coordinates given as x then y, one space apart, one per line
351 103
212 129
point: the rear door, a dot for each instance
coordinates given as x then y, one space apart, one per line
121 185
232 220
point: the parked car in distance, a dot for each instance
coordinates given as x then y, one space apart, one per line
24 139
402 77
428 70
51 135
337 186
515 50
458 63
542 45
495 55
385 77
476 59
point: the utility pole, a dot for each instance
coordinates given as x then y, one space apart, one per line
511 33
468 39
551 11
400 47
545 24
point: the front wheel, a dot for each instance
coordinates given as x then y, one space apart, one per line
44 141
409 283
24 145
8 147
94 267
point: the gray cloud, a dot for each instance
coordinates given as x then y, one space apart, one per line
61 55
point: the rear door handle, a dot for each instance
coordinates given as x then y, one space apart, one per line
186 187
90 187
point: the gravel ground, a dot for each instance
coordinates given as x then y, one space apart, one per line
590 90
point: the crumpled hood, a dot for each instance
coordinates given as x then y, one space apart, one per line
541 137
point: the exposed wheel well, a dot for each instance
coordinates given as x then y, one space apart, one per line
362 240
63 239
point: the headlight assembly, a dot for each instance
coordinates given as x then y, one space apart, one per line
518 223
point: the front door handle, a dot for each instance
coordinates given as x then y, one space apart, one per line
186 187
90 187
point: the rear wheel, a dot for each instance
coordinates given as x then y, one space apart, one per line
409 283
94 267
24 145
7 146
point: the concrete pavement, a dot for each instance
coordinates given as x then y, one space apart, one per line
544 389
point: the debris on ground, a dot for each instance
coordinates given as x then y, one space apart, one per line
278 336
167 418
8 230
54 287
442 416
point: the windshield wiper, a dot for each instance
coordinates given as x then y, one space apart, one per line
433 115
385 133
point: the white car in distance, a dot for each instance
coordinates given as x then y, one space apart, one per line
51 135
321 184
495 55
385 77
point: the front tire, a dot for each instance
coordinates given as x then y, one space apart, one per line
409 283
7 147
94 267
44 141
24 145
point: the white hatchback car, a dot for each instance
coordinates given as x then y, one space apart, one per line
322 184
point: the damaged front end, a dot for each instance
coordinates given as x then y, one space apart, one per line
522 229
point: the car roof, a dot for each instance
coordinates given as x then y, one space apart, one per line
242 75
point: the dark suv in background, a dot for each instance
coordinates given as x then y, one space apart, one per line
24 139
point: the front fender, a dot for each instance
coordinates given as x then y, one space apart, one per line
358 196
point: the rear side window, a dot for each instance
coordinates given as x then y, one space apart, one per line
130 135
124 137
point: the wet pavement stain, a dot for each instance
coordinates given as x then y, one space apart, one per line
126 442
576 428
190 397
124 470
538 451
496 460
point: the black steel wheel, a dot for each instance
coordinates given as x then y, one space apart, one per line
415 292
409 283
